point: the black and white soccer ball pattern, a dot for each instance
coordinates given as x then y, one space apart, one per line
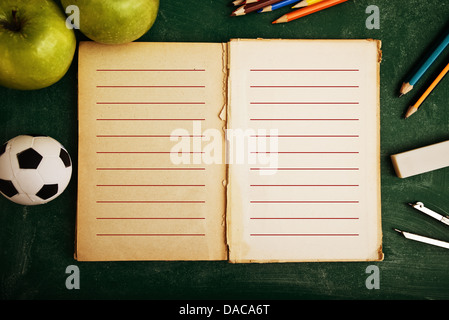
33 169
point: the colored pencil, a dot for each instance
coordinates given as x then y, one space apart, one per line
243 2
308 10
277 5
247 8
412 109
408 86
305 3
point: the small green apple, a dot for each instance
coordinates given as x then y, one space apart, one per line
36 47
115 21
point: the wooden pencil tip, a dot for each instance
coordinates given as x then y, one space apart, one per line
240 11
281 20
265 9
406 87
411 110
299 5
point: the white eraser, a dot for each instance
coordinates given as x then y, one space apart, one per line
425 159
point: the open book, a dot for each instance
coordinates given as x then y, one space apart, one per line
250 151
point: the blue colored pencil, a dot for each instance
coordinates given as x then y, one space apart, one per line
408 86
278 5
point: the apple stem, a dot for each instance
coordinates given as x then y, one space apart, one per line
15 22
14 16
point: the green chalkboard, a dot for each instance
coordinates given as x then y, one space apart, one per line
37 243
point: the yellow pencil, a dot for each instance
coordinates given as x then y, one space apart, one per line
305 3
412 109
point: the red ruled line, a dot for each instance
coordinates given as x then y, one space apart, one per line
304 70
150 201
268 87
150 218
304 234
137 169
148 152
307 169
151 87
303 136
150 70
122 119
303 201
304 185
151 103
301 103
291 119
306 152
283 218
148 136
151 234
150 185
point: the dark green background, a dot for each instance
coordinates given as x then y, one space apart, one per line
37 243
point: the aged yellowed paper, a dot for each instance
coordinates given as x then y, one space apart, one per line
309 189
145 192
253 150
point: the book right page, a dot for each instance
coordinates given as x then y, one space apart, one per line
303 151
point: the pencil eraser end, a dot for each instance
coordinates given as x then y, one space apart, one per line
421 160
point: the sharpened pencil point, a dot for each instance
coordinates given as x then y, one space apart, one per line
302 4
281 20
238 12
406 87
411 110
265 9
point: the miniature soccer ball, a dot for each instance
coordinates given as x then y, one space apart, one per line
33 169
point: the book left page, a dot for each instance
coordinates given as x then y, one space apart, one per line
151 170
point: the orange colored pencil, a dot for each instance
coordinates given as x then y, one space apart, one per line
308 10
412 109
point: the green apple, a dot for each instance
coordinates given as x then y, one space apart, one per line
36 47
115 21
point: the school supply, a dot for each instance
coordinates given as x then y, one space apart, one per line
218 151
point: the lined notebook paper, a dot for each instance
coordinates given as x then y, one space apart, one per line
137 102
319 200
252 151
